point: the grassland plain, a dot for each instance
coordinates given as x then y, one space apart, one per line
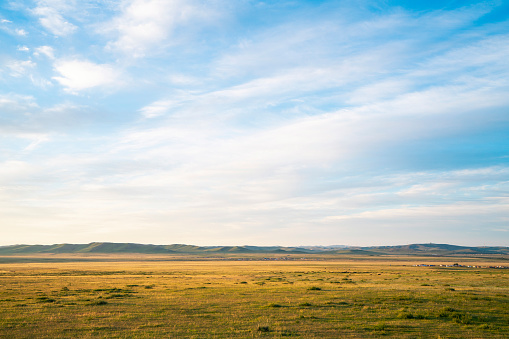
153 297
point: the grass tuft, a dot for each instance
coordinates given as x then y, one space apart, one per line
263 329
274 305
305 304
45 299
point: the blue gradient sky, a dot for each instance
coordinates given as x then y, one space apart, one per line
249 122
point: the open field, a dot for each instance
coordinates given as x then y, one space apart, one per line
149 297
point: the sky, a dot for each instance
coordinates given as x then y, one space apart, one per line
254 122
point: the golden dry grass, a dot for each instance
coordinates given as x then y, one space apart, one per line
142 296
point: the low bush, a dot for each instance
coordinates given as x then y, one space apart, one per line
263 329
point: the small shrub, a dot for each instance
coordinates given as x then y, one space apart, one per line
45 300
462 318
287 333
443 314
305 304
116 295
405 315
380 327
314 288
263 329
99 302
274 305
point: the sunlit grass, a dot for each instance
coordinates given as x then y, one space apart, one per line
224 299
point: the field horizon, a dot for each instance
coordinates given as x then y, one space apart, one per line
124 295
125 290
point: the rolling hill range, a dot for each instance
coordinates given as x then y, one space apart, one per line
438 249
106 247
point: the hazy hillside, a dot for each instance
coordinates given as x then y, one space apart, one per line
106 247
438 249
95 247
354 252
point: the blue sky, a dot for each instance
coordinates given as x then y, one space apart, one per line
250 122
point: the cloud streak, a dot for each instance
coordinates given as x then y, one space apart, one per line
144 26
51 17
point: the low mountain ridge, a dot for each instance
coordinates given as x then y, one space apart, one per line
437 249
108 247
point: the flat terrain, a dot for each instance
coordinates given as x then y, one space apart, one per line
150 296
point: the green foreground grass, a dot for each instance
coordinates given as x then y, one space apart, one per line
255 299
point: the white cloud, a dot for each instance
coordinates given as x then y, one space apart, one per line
23 49
23 119
457 212
378 91
287 170
261 172
35 143
40 82
13 170
17 103
184 80
50 17
289 136
48 51
157 108
77 75
21 32
145 24
19 68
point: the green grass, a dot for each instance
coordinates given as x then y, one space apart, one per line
232 299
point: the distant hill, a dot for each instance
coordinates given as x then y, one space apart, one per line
107 247
437 249
95 247
354 252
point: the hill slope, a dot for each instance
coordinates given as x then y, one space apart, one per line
106 247
437 249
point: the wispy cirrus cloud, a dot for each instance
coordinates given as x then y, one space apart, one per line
51 16
21 32
25 125
19 68
48 51
147 25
